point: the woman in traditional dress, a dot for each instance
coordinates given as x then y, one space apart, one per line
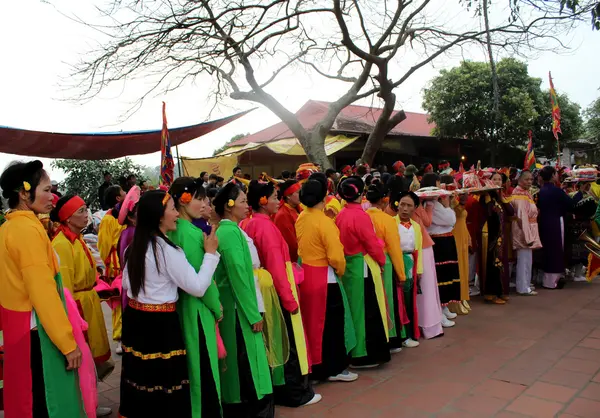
411 241
394 273
443 220
274 255
325 312
154 379
365 260
40 351
287 214
199 315
246 389
78 271
554 204
463 243
127 218
494 256
525 232
428 301
109 233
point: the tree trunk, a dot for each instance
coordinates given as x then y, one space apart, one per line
385 123
495 88
314 147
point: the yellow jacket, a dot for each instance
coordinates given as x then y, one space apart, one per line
319 242
78 273
28 267
109 233
386 229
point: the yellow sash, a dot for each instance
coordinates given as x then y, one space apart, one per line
378 282
297 326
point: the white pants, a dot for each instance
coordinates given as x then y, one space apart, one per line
524 262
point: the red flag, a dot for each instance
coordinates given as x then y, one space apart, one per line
529 155
555 109
167 166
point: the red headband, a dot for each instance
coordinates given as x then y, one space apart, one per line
70 208
292 189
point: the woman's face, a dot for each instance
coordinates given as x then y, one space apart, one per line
497 180
43 197
206 210
294 198
240 208
79 220
272 205
406 207
195 208
526 180
169 220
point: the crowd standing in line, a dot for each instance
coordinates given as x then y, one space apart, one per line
229 298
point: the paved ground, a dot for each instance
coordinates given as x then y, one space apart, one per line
534 357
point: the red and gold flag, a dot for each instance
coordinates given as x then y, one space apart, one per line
167 166
529 155
555 109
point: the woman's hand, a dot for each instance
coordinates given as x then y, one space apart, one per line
258 327
211 242
445 200
74 359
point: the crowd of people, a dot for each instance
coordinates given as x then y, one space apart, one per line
231 297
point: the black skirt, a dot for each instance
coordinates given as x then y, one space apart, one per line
250 407
446 268
297 389
154 377
334 359
378 350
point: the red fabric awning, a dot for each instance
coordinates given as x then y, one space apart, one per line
102 145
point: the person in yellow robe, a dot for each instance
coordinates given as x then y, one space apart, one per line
109 233
78 270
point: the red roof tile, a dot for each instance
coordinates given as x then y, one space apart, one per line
353 118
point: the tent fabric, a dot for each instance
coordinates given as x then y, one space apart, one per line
100 145
223 163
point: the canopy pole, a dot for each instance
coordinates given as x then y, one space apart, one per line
179 161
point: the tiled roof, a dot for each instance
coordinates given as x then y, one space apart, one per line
353 118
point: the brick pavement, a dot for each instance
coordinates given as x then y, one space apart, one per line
534 357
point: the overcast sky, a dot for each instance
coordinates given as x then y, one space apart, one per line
37 44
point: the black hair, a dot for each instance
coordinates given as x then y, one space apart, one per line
321 178
111 194
429 180
212 192
236 168
61 202
547 172
141 182
368 180
131 176
446 179
329 172
230 191
203 173
361 170
189 185
14 177
213 176
147 232
247 176
256 190
220 179
376 192
351 188
286 174
312 192
107 173
504 178
385 177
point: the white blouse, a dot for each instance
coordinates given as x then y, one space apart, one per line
443 219
407 238
161 285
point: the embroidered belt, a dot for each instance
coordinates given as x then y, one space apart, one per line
532 220
447 234
150 307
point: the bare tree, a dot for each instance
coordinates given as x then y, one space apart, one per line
245 45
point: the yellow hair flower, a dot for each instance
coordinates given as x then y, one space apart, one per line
166 199
26 186
396 203
230 203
